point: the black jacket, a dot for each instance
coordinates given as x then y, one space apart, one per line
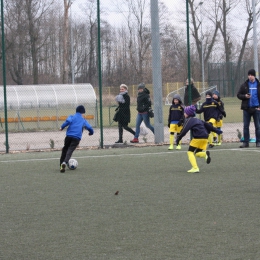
124 111
143 101
211 110
199 129
176 113
195 95
243 90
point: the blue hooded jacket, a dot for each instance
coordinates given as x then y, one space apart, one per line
76 125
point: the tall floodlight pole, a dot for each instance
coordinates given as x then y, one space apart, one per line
157 73
71 47
4 76
202 51
188 48
255 40
100 76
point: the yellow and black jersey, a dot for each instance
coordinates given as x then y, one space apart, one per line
211 110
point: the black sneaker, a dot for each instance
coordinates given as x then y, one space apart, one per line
244 145
207 158
119 142
211 145
63 167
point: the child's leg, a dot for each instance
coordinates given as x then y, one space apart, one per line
214 137
210 140
206 155
219 137
65 148
178 147
73 145
171 141
192 160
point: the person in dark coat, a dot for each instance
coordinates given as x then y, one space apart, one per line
249 94
123 114
195 95
143 105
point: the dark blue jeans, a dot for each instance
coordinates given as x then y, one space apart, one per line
247 118
139 119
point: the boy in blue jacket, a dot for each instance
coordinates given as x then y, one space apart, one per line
200 132
76 123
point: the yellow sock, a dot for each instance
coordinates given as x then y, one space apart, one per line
210 138
192 159
171 139
220 138
201 154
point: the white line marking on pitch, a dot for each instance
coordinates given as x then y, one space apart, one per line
131 154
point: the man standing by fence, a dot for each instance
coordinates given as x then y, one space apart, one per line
249 93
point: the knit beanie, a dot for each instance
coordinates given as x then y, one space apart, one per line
141 86
251 72
81 109
209 93
215 92
190 110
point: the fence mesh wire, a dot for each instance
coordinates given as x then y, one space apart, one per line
52 42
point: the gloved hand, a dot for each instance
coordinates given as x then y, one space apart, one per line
224 114
219 132
91 132
169 125
180 122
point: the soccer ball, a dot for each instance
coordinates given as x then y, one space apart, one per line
73 164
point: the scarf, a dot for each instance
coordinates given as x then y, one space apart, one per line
120 98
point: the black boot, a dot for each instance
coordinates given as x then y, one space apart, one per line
244 145
120 140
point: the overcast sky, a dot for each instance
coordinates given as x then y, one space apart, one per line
111 10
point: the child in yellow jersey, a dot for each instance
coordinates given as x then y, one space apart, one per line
175 120
200 131
211 110
218 139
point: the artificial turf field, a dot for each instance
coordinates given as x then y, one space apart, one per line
161 211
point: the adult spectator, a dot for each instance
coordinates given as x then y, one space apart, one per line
249 93
195 95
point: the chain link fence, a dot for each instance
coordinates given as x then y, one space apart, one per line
51 63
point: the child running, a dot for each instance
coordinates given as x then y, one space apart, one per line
200 131
76 123
175 120
211 110
219 123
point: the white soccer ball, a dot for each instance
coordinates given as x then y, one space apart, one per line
73 164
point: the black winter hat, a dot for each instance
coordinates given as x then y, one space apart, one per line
81 109
209 93
251 72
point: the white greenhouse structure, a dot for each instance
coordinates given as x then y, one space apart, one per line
46 106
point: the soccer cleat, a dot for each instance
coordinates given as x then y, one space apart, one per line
178 147
62 167
119 142
207 158
135 140
218 144
170 147
193 170
211 145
